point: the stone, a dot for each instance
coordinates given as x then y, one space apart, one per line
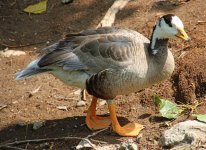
189 132
102 102
128 145
184 147
62 108
67 1
38 125
81 103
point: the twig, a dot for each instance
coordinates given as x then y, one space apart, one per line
3 106
109 18
41 140
11 147
98 141
201 22
95 133
53 139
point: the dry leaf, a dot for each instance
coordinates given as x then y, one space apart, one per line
36 8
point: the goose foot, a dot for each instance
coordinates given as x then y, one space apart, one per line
93 121
97 122
130 129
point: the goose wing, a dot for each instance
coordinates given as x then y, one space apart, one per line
92 50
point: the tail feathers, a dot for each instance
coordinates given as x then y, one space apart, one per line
30 70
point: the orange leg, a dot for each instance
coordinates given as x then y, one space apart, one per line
93 121
130 129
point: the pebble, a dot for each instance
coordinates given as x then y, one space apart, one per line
47 43
84 144
38 125
44 145
128 145
103 102
62 108
15 102
81 103
66 1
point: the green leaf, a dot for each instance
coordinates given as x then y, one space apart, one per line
157 100
200 117
167 109
36 8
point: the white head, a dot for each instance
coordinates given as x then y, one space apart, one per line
170 26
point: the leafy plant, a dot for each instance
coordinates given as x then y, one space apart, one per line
200 117
167 109
171 110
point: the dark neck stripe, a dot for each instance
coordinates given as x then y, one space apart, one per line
150 44
157 43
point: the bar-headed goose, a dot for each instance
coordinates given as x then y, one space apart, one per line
111 61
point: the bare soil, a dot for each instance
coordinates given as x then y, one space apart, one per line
30 33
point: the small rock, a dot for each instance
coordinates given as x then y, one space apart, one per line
81 103
14 102
38 125
84 144
44 145
47 43
67 1
103 102
183 147
62 108
128 145
189 132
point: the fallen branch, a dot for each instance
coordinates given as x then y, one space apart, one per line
109 18
97 132
41 140
11 148
51 139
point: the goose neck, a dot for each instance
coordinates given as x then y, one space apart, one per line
157 43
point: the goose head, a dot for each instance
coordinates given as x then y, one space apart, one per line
170 26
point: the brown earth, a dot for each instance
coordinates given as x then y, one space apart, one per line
30 33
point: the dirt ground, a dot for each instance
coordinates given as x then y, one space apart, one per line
30 33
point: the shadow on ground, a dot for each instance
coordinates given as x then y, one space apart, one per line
67 127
